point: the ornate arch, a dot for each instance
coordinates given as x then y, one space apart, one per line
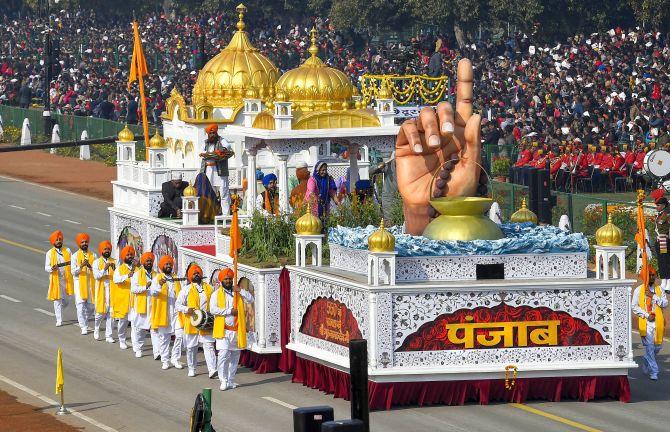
336 120
264 120
175 101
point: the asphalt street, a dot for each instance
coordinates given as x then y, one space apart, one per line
116 391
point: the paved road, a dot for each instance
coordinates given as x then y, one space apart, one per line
128 394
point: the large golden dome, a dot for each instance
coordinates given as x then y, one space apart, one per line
314 86
239 66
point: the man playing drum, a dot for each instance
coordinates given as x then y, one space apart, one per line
164 318
192 298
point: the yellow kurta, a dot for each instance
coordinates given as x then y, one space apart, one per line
54 277
85 280
120 296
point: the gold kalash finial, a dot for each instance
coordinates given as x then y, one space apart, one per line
313 49
241 10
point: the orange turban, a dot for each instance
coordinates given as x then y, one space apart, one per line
212 128
103 245
147 256
225 273
192 271
82 237
55 236
128 250
164 260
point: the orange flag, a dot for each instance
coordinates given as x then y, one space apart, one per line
641 240
235 238
138 70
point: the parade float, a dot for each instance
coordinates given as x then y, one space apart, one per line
468 311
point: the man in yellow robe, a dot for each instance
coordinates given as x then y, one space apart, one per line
120 296
165 320
648 303
57 264
103 272
140 312
84 283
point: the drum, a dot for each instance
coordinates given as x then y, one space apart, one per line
202 320
657 163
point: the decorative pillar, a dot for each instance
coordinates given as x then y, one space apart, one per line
381 268
189 207
252 186
282 176
372 331
308 231
353 166
605 255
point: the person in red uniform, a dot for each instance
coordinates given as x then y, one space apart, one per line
519 169
638 168
596 161
606 165
580 165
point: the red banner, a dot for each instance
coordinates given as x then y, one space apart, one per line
502 326
330 320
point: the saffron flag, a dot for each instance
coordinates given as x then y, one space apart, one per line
138 64
640 238
59 372
235 245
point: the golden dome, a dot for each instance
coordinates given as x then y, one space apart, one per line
251 93
308 224
157 141
523 214
190 191
239 66
609 234
312 85
384 92
381 240
126 135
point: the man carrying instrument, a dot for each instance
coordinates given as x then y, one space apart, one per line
215 165
120 292
103 272
227 306
165 320
140 313
60 278
82 271
648 303
196 297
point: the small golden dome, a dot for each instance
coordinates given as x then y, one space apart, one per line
384 92
281 96
251 93
190 191
609 234
358 105
157 141
523 214
381 240
308 224
126 135
315 83
223 81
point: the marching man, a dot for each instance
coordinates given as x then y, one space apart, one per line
84 284
217 171
648 303
60 278
227 305
140 313
103 272
196 296
120 292
165 319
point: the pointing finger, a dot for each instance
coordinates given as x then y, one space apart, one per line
428 122
464 92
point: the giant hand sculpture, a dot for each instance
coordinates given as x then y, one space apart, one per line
444 140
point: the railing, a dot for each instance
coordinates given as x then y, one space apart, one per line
407 89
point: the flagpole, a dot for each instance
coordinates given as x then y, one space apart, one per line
140 77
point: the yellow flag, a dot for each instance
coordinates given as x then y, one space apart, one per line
641 240
241 321
138 64
59 372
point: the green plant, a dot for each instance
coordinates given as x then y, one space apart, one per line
11 135
353 213
269 241
500 167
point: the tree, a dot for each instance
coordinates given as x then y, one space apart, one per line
520 13
651 12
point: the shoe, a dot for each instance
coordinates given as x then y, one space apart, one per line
109 339
233 385
177 365
223 386
191 372
213 375
84 331
138 354
96 335
157 357
59 323
165 366
123 345
653 377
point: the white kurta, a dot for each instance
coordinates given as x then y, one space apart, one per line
76 270
229 342
99 274
181 306
173 315
142 321
61 270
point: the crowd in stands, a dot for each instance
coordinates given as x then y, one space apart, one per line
591 95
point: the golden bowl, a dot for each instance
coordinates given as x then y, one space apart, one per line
461 206
462 218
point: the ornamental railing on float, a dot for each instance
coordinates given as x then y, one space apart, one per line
407 89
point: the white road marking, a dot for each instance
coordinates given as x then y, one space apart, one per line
278 402
45 312
71 221
52 402
98 229
665 338
43 214
53 188
11 299
16 207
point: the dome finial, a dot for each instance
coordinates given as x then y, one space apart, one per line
241 10
524 214
313 49
609 234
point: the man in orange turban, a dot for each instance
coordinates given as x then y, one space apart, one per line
216 169
140 313
57 264
225 305
103 273
164 317
84 284
196 297
120 292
